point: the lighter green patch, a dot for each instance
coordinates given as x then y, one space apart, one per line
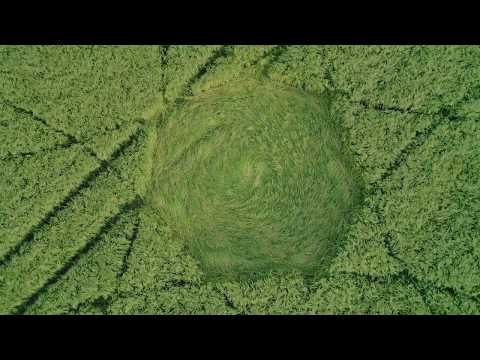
253 177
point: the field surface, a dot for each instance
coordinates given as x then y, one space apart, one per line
239 179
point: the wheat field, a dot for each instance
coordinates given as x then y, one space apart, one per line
211 179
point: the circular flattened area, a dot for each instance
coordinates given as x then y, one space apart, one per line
253 178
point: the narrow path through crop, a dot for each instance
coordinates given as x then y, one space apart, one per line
103 166
405 276
135 204
132 239
71 139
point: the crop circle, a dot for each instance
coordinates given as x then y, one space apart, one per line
253 177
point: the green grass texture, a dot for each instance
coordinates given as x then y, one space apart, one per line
235 179
253 177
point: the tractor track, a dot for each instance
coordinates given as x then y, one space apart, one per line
72 140
85 183
217 54
406 278
62 146
421 136
127 207
273 55
163 55
126 257
383 108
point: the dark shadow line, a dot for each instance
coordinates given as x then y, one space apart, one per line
71 139
417 141
136 203
383 108
273 55
217 54
30 113
103 166
61 146
126 256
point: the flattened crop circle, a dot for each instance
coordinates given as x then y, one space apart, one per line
253 177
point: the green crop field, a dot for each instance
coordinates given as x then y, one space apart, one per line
239 179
